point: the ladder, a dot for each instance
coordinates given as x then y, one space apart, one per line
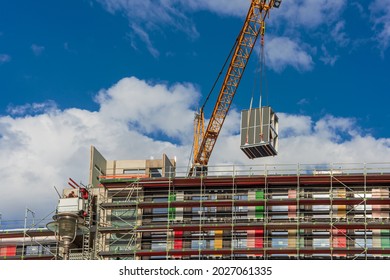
88 224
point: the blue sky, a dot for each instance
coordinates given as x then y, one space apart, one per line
75 73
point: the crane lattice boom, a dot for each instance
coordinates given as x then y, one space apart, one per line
204 140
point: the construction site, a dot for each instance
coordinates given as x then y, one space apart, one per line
154 209
148 210
274 212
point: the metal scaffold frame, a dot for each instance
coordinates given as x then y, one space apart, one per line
124 198
30 242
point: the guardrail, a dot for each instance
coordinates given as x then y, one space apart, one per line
287 169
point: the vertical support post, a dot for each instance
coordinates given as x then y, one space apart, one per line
265 233
331 222
169 216
365 212
137 221
25 228
201 237
234 215
298 211
24 232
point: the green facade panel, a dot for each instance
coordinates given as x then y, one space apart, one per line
385 239
172 210
259 210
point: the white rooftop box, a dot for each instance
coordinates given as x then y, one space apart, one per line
71 202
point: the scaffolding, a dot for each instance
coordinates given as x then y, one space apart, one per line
33 241
118 219
333 211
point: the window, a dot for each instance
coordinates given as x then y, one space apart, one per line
120 242
160 214
123 217
33 250
239 243
158 245
361 243
205 212
198 244
155 172
279 239
321 243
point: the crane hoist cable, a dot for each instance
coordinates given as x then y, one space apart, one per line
262 80
219 74
199 117
262 76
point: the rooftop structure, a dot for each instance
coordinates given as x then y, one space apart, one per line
102 169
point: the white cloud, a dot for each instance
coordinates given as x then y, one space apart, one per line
339 35
359 7
303 101
295 125
282 52
151 108
137 120
174 11
380 17
221 7
327 58
303 140
149 17
37 49
311 13
34 108
4 58
144 36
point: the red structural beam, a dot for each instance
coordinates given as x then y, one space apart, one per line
261 181
269 202
269 251
252 251
29 257
15 234
248 226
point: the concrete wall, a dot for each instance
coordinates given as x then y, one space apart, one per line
99 166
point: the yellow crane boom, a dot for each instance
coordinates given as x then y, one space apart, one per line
205 139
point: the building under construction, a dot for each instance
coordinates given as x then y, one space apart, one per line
148 209
263 212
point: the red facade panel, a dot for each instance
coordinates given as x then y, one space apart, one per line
259 234
7 251
178 241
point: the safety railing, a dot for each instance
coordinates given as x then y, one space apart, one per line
331 169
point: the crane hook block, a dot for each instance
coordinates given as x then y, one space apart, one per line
277 3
